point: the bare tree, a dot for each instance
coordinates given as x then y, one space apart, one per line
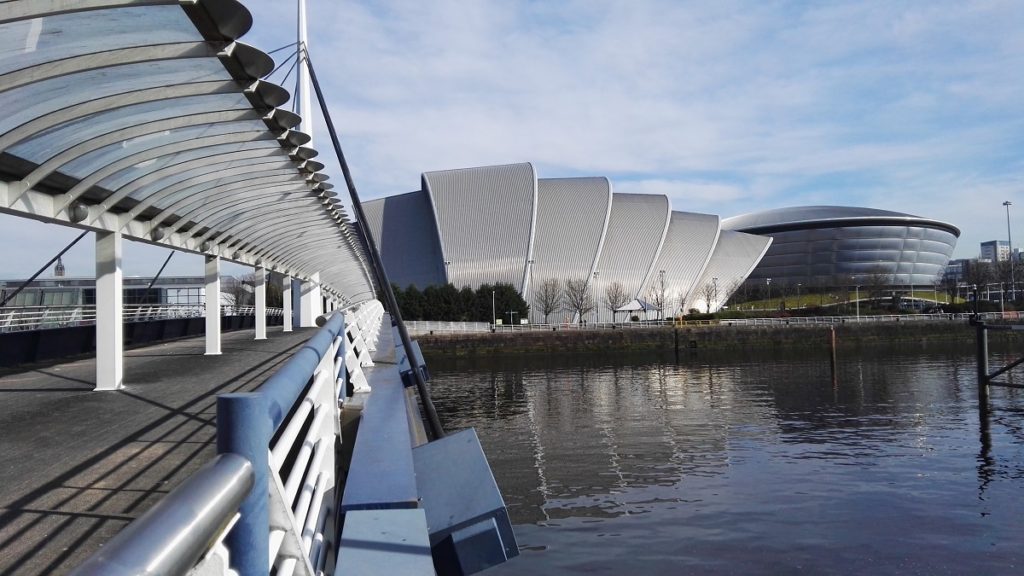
548 297
577 297
877 281
238 290
709 293
658 295
615 297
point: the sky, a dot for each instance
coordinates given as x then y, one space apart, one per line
727 107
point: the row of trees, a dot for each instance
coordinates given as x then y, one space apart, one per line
448 303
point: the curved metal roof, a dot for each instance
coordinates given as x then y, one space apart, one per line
804 217
485 217
636 232
149 118
407 238
688 247
572 217
735 256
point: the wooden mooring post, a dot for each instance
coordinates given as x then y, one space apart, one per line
981 342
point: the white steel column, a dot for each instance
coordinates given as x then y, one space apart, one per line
311 305
286 302
261 303
109 308
212 305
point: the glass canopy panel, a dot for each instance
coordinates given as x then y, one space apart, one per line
61 137
171 179
39 98
32 42
264 173
89 163
119 179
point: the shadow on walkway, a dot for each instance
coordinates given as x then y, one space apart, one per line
80 465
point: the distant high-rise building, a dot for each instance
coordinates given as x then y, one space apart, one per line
995 250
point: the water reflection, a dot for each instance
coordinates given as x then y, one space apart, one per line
754 453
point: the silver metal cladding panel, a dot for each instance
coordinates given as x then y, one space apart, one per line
735 255
636 230
571 214
848 255
82 89
688 247
406 235
485 219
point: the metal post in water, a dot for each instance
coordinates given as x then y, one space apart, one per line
832 348
982 344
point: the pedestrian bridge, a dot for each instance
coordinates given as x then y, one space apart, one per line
308 450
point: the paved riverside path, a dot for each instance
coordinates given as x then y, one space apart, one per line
78 465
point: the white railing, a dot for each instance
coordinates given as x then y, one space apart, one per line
436 327
46 317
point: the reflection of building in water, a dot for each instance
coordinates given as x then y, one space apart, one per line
602 441
574 442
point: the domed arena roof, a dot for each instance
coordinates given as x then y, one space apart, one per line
807 217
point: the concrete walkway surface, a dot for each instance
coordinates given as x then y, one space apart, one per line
78 465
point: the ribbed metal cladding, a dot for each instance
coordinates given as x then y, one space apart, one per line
406 235
485 217
735 256
820 246
571 217
688 247
636 230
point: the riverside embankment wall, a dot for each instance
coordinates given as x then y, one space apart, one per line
716 337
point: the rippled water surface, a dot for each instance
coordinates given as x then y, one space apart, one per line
718 465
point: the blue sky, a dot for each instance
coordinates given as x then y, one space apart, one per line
727 107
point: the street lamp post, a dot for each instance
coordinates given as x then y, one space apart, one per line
529 297
1009 243
494 315
856 298
661 294
768 281
798 285
714 283
596 311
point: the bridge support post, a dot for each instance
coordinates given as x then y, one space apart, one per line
286 302
212 305
312 305
109 312
261 303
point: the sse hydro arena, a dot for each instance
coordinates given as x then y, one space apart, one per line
823 246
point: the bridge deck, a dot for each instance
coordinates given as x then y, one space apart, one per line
79 465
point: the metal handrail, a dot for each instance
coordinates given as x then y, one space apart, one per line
25 318
172 536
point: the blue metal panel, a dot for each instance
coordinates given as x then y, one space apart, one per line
381 474
459 494
385 542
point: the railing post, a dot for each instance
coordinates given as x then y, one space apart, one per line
243 428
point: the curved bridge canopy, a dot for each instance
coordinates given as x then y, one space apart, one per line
150 119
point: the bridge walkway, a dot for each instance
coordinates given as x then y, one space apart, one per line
78 465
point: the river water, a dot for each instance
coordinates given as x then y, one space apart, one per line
719 464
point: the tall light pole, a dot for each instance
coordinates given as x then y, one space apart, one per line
856 297
529 297
1009 242
494 317
597 317
714 283
661 294
768 281
798 285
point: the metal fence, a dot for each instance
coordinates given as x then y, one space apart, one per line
47 317
432 327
